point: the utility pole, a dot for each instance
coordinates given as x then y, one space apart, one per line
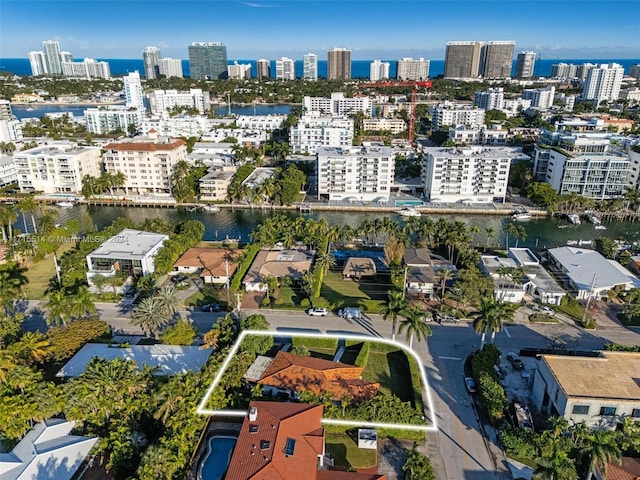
586 308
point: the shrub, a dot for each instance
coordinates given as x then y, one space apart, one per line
182 333
265 302
310 342
305 303
363 355
243 265
66 340
519 442
492 397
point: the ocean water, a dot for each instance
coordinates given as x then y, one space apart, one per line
359 68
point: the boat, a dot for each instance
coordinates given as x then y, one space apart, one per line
600 227
573 218
572 243
592 218
29 109
408 212
65 204
586 243
521 216
193 209
211 208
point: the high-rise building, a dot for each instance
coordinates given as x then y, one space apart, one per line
463 60
66 56
337 105
53 57
525 64
490 99
285 69
583 70
170 67
410 69
497 59
151 59
263 67
38 62
115 118
338 64
133 91
239 71
451 115
634 71
164 101
5 110
315 130
310 66
564 70
378 70
603 83
88 68
541 98
207 60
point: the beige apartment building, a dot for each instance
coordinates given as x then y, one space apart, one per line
147 162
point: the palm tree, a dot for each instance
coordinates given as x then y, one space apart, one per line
9 293
414 323
29 205
32 347
512 230
490 234
171 302
119 180
443 275
554 463
392 309
490 318
58 308
151 316
81 303
48 221
8 216
601 447
325 261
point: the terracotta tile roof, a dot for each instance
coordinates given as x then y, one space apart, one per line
259 453
338 475
149 146
293 372
210 260
279 263
628 469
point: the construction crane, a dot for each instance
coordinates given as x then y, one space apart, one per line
414 90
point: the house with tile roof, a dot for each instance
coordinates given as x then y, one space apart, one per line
284 441
278 263
215 265
291 374
627 469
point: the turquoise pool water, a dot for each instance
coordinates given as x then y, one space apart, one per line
215 463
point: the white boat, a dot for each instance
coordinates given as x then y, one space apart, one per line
572 243
211 208
600 227
592 218
29 109
65 204
521 216
574 218
585 242
408 212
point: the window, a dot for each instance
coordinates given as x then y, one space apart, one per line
253 428
290 446
580 409
635 413
265 444
607 411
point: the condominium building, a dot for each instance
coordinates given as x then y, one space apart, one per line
451 115
57 167
170 67
208 60
479 135
497 59
525 64
151 59
285 69
8 173
468 174
103 120
10 130
53 57
239 71
339 64
490 99
583 70
310 66
38 62
5 110
603 83
591 167
88 68
267 123
338 104
393 125
263 67
564 70
315 130
356 173
541 98
177 126
147 162
634 71
165 101
214 185
410 69
378 70
133 91
463 60
513 106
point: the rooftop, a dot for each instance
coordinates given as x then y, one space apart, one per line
130 244
146 145
523 256
359 267
258 176
484 152
214 262
614 375
417 257
170 359
279 263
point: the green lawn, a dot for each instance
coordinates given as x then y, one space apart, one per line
369 294
39 273
324 353
345 452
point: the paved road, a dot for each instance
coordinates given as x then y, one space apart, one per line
459 449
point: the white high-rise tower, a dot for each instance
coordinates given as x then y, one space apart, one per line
378 70
53 56
310 66
151 59
133 90
603 83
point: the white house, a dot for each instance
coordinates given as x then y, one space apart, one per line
537 281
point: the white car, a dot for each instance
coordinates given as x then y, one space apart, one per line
548 310
471 384
317 312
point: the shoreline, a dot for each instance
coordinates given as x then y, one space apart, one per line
64 104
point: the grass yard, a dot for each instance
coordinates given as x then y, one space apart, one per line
324 353
367 294
344 450
39 273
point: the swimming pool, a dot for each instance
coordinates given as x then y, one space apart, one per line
215 463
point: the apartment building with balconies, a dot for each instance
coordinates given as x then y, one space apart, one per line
314 131
448 114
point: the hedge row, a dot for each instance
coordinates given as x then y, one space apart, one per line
249 255
318 273
312 342
491 393
363 355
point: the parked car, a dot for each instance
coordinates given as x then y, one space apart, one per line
516 363
317 312
211 307
350 312
182 285
548 310
178 278
471 384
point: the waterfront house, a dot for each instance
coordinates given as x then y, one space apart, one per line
420 278
214 265
277 263
596 390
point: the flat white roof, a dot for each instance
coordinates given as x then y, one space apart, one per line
581 264
129 244
171 359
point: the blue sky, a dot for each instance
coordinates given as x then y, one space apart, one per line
386 29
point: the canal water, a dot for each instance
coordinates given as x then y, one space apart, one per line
238 223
